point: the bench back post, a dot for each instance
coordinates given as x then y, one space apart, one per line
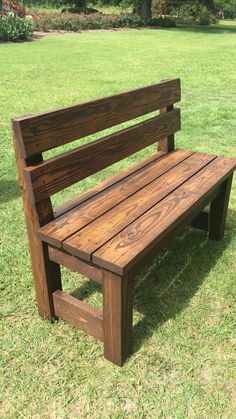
45 272
167 144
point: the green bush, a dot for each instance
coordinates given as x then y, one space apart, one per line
14 28
76 22
204 17
163 22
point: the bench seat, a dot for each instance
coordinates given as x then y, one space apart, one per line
119 222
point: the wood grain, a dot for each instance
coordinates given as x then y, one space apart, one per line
166 241
63 227
120 224
136 240
118 314
62 171
52 129
77 265
79 314
168 143
90 238
74 202
46 273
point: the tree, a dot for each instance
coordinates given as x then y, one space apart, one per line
143 8
227 6
146 9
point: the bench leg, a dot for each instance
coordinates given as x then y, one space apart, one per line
117 317
218 211
46 273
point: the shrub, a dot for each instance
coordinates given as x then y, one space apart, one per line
163 22
13 28
14 22
204 17
186 20
76 22
85 10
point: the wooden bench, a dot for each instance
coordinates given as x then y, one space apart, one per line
111 231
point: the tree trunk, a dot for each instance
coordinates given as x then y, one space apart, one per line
146 11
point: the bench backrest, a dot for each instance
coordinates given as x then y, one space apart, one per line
37 134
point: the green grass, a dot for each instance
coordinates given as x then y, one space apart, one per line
183 365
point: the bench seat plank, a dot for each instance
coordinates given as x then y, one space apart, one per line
129 246
84 243
74 202
102 200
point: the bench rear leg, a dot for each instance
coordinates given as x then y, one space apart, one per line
46 274
47 279
218 211
117 315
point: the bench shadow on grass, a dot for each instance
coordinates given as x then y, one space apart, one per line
165 288
9 189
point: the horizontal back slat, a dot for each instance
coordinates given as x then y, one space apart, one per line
61 171
52 129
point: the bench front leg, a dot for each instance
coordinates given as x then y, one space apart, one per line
218 211
117 316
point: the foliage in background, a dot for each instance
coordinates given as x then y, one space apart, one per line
14 23
227 6
8 6
76 22
190 13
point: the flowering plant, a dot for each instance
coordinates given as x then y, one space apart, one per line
13 8
15 21
80 21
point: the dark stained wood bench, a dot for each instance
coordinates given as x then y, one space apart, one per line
111 231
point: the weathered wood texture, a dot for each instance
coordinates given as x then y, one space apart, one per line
117 314
51 129
59 172
79 314
46 273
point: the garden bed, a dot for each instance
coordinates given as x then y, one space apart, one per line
77 22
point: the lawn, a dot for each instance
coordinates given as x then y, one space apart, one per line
183 365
